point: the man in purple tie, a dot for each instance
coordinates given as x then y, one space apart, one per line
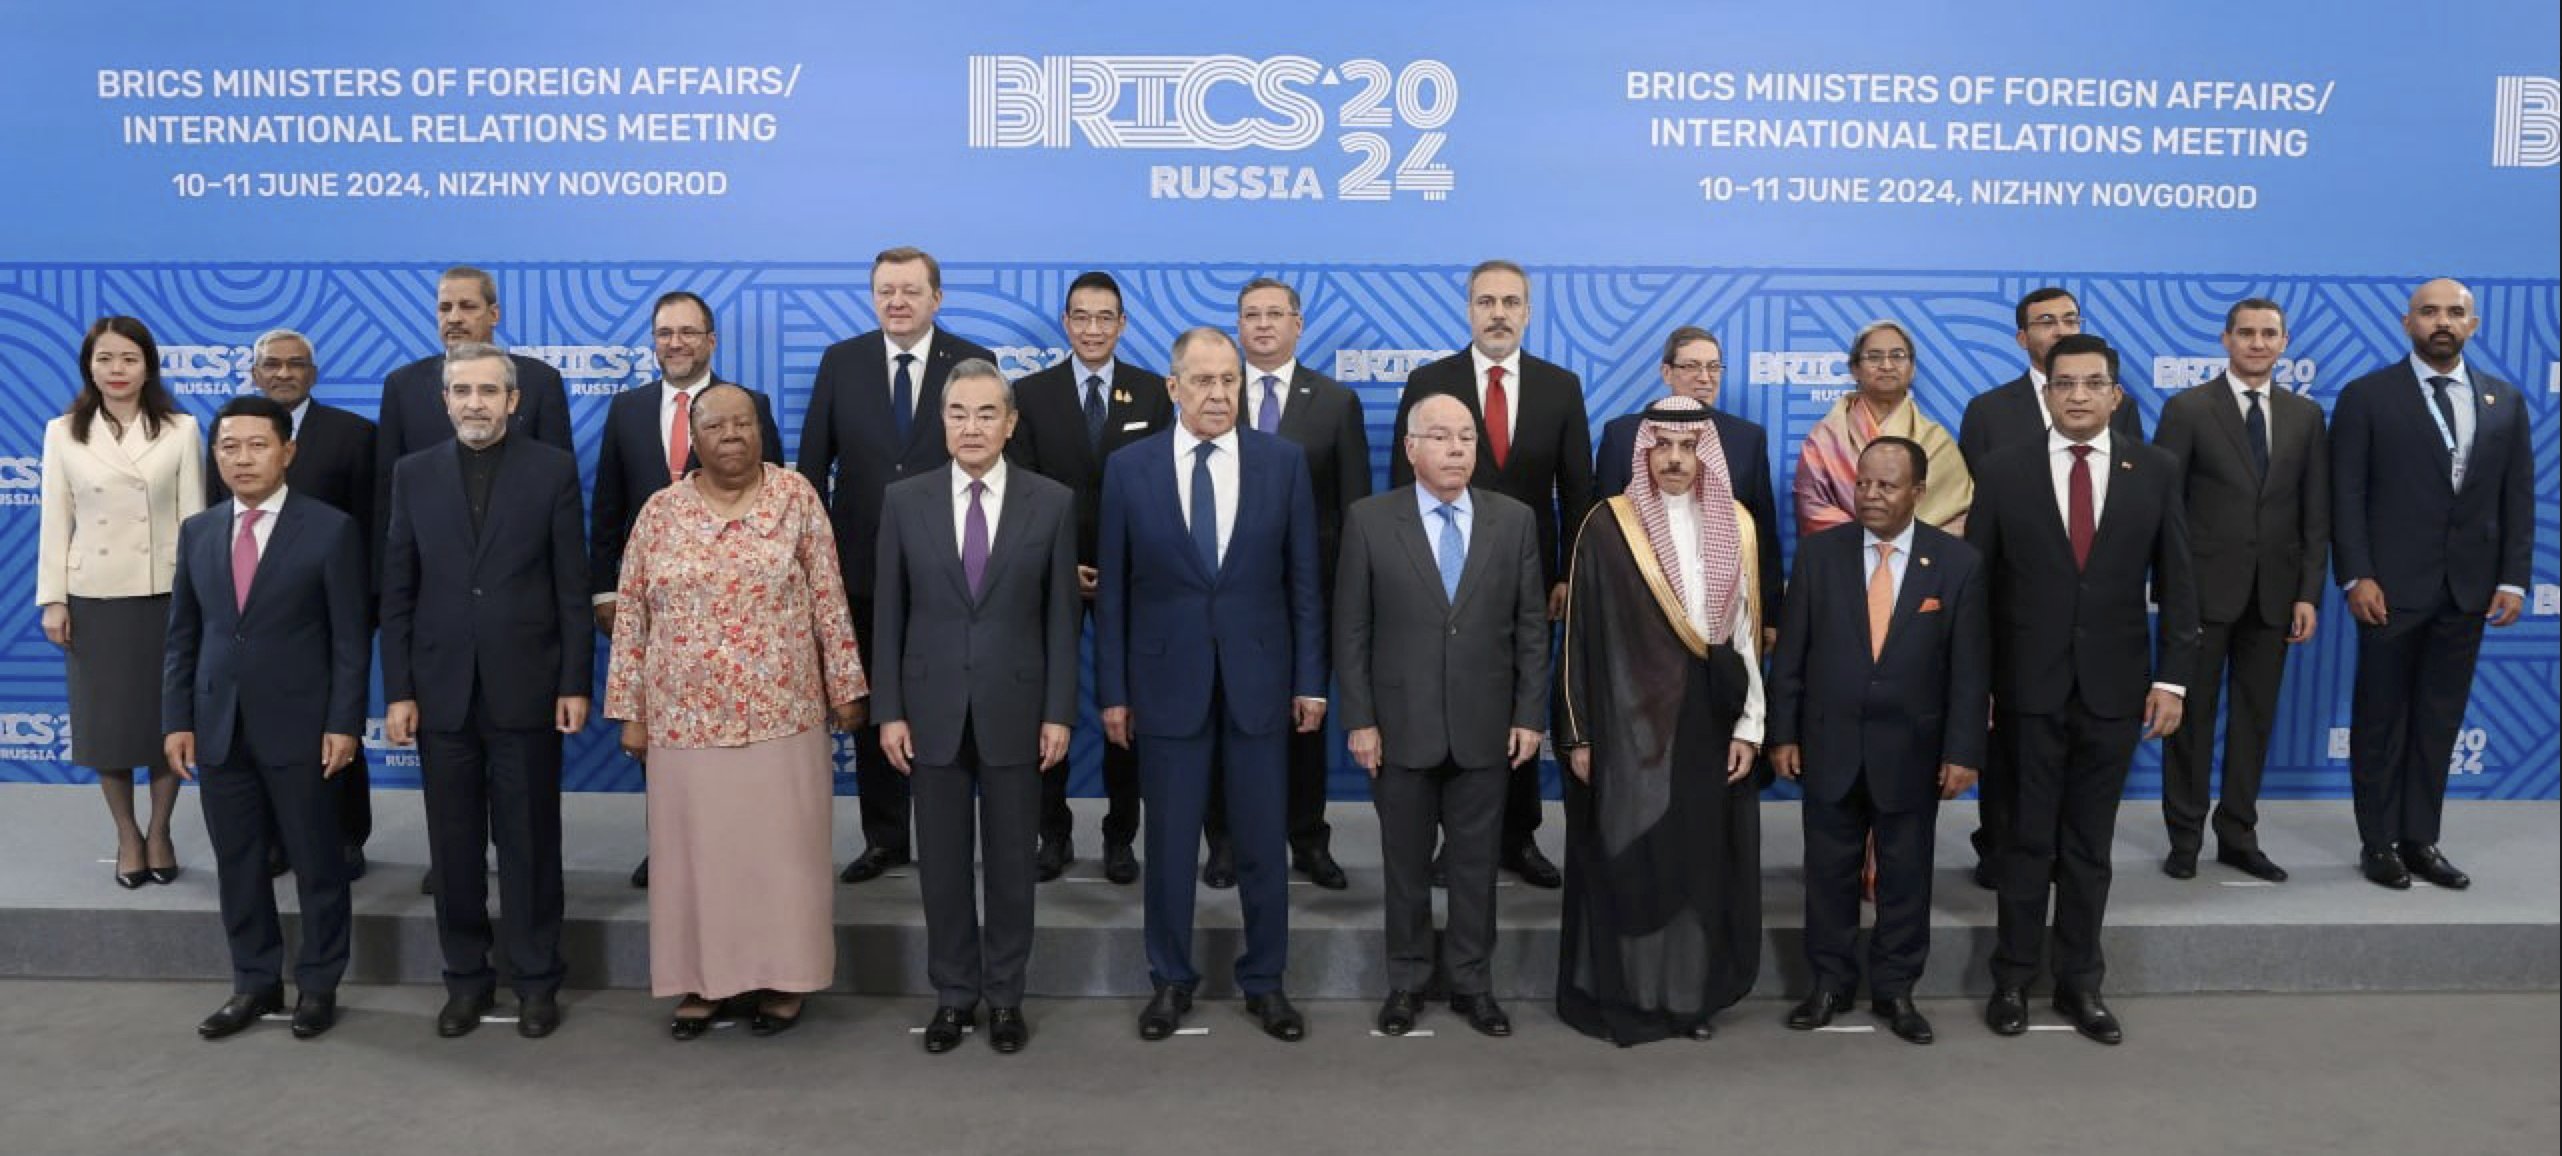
973 669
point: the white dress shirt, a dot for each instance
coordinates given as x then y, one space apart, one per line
266 527
1897 568
1683 515
993 501
1511 389
923 348
668 392
1281 375
1223 479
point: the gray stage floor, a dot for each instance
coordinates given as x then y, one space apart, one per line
97 1067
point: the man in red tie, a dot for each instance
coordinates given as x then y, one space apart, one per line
1535 447
2073 530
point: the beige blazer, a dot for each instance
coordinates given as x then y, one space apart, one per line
112 509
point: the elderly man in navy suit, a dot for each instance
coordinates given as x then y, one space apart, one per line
263 693
1209 628
974 683
1879 696
488 650
2432 535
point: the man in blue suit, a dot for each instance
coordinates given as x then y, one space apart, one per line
2432 533
264 689
1694 366
488 650
1209 629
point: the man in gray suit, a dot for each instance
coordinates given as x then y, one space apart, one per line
1441 653
2256 466
973 670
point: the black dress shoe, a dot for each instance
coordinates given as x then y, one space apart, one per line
1120 864
2251 863
1052 859
314 1013
2007 1012
1533 867
355 859
1164 1014
1903 1019
2180 865
773 1023
2090 1017
1317 863
2425 862
871 863
1397 1015
1007 1031
1701 1032
240 1011
1483 1014
462 1013
1984 876
1817 1010
1220 873
943 1032
277 865
685 1027
640 874
537 1015
2385 869
1280 1021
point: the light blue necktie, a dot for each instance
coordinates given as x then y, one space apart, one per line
1205 508
1454 553
1267 417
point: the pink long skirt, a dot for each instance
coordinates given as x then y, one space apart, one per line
741 882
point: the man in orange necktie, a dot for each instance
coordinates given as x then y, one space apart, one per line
1878 700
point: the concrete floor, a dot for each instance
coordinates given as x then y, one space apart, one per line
109 1067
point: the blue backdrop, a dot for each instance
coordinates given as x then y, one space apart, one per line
1745 168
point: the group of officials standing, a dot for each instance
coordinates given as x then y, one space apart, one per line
1960 607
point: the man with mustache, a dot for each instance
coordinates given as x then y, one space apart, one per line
2433 524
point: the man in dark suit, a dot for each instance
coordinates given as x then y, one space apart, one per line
648 445
1441 649
2073 533
1075 415
1209 648
2433 517
872 421
488 650
2255 469
1877 707
973 673
1322 417
264 690
1535 447
1694 366
413 407
333 462
2014 414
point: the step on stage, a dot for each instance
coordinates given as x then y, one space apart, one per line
62 915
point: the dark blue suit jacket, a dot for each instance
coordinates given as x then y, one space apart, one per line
2397 517
1925 700
1747 449
1167 630
631 464
506 607
291 665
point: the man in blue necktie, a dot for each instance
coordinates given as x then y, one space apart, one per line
1209 650
1444 674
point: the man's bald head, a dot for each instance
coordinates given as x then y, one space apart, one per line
2441 320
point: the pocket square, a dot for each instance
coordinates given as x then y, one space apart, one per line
1928 606
1127 426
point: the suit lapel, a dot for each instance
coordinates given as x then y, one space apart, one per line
2121 474
1168 502
220 562
2421 415
1297 423
2486 412
929 394
2228 417
946 544
1921 580
2054 527
511 472
279 540
1417 542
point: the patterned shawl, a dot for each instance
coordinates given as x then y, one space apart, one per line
1720 539
1827 487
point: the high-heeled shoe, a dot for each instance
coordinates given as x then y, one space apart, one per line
129 880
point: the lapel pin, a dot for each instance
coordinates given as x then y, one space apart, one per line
1925 561
2489 398
1121 396
2126 465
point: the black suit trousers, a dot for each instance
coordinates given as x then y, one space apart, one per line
1836 851
2252 654
484 785
2414 674
967 811
880 789
1463 808
250 801
2060 796
1120 783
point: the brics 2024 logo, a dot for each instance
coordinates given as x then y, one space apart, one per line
1390 121
2527 128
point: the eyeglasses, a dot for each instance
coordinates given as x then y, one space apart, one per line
1698 368
2072 321
1886 357
1259 316
1444 439
1213 381
687 334
1084 320
284 365
2068 386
